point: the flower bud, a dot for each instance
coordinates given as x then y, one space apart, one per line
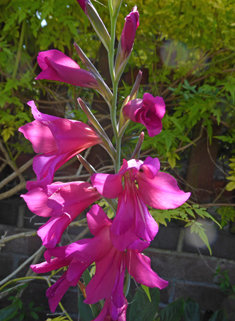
96 21
127 40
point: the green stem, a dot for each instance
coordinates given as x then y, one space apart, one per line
118 155
22 279
19 49
115 88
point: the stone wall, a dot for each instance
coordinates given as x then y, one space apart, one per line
190 270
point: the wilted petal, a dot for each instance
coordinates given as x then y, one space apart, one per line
139 268
162 192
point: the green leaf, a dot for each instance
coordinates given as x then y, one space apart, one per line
219 315
84 309
191 311
86 277
173 311
34 315
230 186
141 309
146 290
9 312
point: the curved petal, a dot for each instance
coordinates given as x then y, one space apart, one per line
73 135
51 232
58 57
40 116
54 264
75 270
36 200
139 268
128 240
97 219
57 66
125 216
117 294
57 291
108 185
90 250
40 136
151 167
72 198
145 226
162 192
132 163
102 284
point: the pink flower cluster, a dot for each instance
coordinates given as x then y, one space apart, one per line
117 244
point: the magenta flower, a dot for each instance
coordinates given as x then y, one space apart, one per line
127 40
156 189
57 140
129 31
57 66
111 264
147 111
63 202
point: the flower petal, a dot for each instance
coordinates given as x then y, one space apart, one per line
151 167
90 250
162 192
57 291
54 264
108 185
40 136
72 198
51 232
97 219
57 66
36 200
101 285
125 216
139 268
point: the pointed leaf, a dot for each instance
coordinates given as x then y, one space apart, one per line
219 315
8 312
141 309
191 311
173 311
